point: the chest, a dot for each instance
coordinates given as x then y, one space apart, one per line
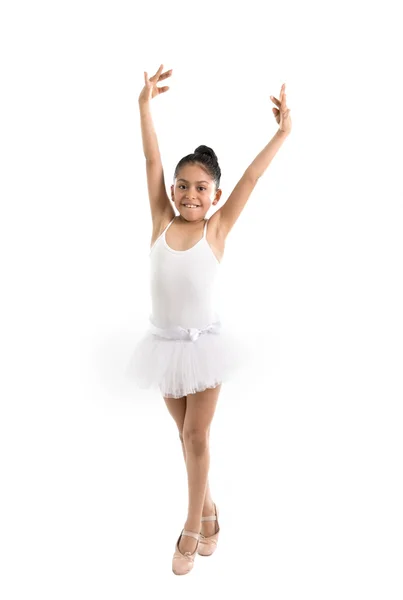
182 240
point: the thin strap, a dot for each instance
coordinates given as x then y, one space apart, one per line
205 228
168 225
160 236
213 518
191 534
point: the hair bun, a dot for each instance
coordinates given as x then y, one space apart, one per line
206 150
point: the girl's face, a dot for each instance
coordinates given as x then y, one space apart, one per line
194 186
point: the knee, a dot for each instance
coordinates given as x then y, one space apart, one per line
195 439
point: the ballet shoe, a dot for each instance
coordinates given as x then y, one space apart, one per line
182 563
208 544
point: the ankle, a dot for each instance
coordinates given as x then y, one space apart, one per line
208 508
192 526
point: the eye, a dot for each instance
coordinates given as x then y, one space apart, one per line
200 186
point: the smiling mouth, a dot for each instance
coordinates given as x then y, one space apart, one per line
191 206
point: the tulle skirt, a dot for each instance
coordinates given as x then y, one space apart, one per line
180 361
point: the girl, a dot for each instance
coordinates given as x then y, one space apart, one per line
186 352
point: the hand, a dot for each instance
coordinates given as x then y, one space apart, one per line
150 89
282 115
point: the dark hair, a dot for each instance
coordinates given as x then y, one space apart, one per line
207 158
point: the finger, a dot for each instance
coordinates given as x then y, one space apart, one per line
283 95
284 101
163 89
166 74
278 102
157 74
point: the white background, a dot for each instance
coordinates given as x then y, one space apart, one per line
306 452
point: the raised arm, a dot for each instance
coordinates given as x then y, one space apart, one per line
230 211
158 197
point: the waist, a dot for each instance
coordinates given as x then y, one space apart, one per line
183 333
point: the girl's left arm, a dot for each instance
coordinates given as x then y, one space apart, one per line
230 211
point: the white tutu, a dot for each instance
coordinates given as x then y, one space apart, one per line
182 361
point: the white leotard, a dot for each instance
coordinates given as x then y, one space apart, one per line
183 286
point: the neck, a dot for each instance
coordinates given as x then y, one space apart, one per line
183 220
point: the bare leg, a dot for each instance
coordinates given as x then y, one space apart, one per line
177 409
207 527
200 409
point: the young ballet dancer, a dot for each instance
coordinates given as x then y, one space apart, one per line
186 352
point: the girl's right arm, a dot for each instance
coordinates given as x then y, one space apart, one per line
159 201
